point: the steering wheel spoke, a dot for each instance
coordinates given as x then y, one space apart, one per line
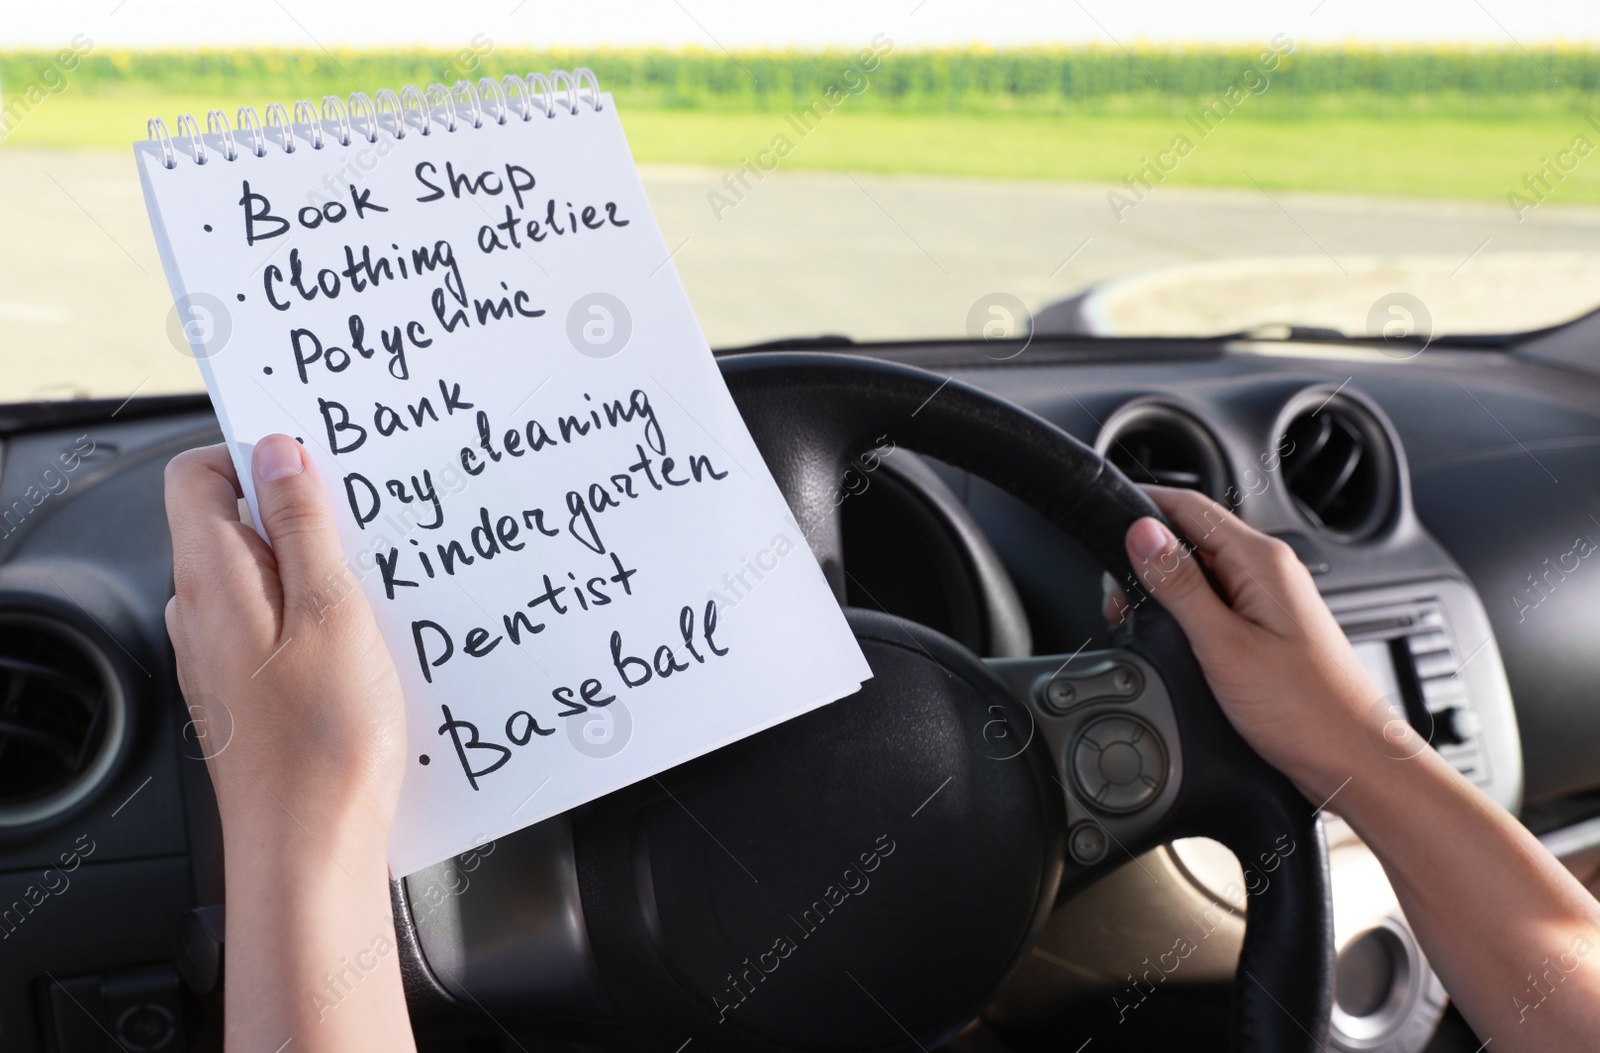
1106 719
808 458
1118 723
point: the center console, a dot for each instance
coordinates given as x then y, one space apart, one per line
1429 648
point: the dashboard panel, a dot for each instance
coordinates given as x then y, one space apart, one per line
1475 512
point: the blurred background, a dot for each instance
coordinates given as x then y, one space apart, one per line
891 170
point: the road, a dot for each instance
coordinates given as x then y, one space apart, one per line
84 308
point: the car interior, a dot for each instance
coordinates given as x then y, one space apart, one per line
1032 830
1450 552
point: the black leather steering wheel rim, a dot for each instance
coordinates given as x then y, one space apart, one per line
808 413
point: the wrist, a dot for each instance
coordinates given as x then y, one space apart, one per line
1363 781
272 767
273 819
1349 738
284 877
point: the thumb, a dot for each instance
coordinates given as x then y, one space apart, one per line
1170 571
298 519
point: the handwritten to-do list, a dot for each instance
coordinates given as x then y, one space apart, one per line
539 477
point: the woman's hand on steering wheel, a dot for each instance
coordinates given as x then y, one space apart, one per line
1492 908
1277 661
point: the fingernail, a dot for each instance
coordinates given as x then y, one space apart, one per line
277 457
1149 539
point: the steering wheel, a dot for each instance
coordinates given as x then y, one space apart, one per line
866 876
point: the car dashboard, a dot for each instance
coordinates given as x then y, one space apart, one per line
1447 503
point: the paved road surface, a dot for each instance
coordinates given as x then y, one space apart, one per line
84 307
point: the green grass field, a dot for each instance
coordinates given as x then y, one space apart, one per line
1409 153
1414 156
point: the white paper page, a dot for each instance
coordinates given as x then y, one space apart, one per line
653 541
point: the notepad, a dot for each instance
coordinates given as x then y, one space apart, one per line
459 301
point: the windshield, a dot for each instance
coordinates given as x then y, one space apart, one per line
889 172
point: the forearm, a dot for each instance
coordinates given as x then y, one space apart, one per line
1509 930
310 944
308 782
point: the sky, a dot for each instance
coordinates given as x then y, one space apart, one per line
727 24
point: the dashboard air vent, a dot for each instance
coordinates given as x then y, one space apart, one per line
1339 466
1151 442
62 718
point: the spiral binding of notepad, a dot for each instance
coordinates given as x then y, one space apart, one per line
394 114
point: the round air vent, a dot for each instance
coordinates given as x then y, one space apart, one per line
1152 442
1338 464
62 718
